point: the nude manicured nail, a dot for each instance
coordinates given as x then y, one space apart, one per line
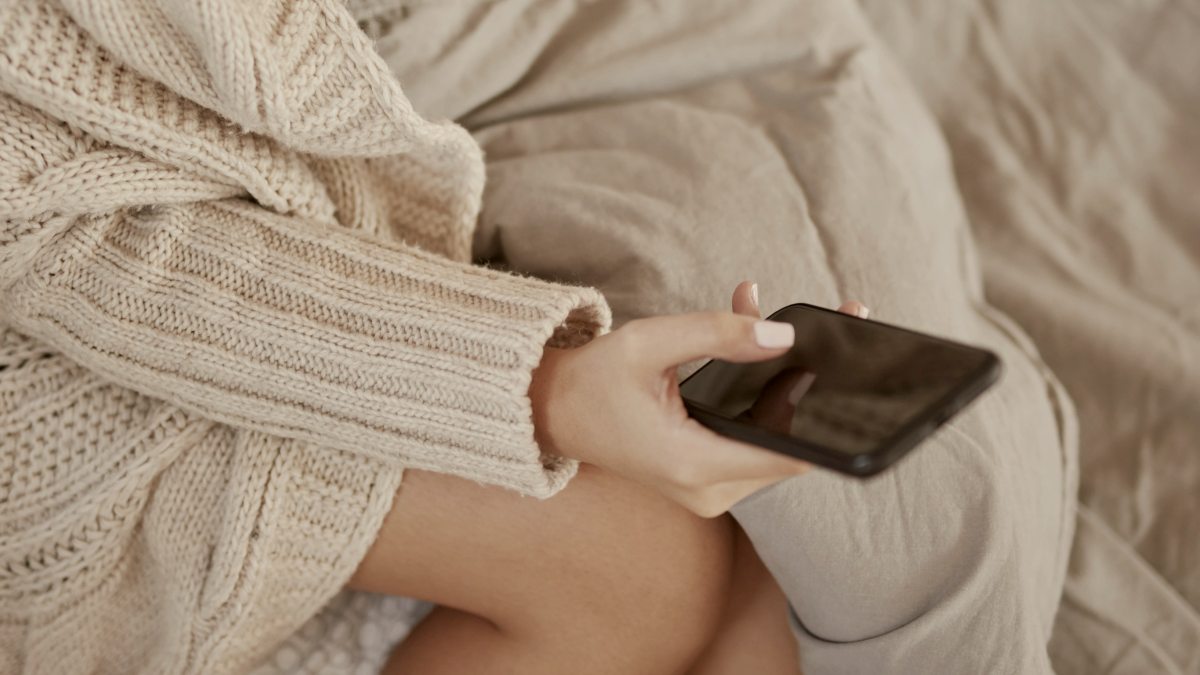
862 312
754 294
774 334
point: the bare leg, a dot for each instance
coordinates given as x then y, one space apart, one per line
606 577
754 636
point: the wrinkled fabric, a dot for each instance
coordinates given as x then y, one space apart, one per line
1074 128
1012 174
663 153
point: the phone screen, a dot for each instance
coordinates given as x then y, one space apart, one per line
848 385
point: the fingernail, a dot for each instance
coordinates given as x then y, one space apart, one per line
774 334
754 294
862 312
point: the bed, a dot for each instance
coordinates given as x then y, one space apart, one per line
1072 130
1075 132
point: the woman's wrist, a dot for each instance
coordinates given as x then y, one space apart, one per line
542 398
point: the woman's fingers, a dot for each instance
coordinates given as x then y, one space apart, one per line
729 471
727 459
854 308
666 341
705 471
745 299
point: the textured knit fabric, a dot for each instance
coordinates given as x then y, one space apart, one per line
236 300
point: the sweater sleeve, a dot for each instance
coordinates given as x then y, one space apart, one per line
271 323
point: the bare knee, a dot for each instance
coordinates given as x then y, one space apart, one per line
647 593
606 576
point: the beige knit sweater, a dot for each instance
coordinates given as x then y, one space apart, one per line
236 299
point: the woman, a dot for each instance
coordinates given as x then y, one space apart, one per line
662 572
237 305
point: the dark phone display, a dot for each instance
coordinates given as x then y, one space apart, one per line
848 385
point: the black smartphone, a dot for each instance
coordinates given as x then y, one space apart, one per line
851 395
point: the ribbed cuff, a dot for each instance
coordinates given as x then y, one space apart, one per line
267 323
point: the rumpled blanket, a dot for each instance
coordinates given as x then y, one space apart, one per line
1075 133
1069 212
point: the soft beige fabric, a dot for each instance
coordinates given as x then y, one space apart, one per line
1071 129
664 152
209 385
1074 128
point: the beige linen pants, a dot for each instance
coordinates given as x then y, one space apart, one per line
663 152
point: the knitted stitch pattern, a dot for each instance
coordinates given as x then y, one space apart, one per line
236 301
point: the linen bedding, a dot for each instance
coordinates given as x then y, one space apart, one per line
1075 132
1015 174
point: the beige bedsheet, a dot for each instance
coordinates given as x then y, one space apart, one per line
1073 131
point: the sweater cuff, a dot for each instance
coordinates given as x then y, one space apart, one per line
268 323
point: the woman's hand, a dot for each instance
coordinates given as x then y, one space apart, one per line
615 403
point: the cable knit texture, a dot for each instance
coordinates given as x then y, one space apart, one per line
236 301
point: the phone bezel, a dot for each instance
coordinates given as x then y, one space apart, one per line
888 451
